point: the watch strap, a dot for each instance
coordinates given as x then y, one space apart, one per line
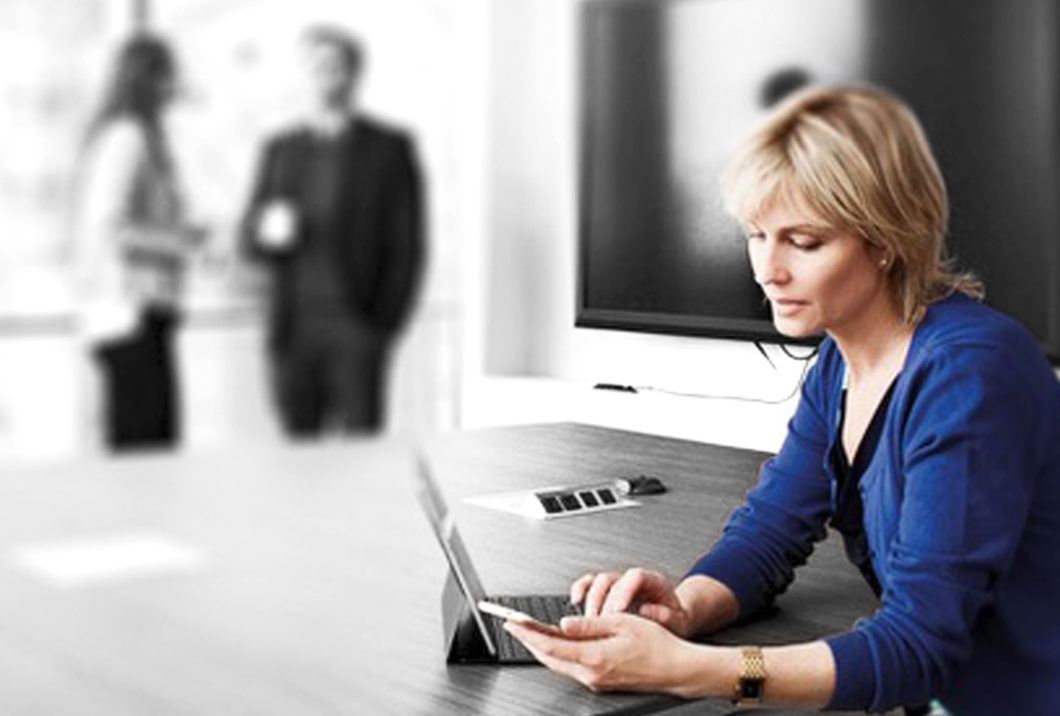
749 687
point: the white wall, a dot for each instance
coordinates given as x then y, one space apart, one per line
426 72
528 287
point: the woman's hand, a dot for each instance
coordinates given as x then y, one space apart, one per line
613 652
637 590
629 653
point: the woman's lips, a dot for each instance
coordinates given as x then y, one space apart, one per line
787 306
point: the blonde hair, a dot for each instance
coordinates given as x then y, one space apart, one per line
858 158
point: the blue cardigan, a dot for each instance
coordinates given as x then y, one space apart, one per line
962 516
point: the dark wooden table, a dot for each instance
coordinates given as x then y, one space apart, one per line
321 590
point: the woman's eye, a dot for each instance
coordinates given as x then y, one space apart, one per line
754 235
805 243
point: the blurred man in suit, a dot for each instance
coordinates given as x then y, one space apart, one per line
336 215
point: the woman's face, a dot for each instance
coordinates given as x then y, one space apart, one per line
817 278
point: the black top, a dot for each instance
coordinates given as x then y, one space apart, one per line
315 283
848 513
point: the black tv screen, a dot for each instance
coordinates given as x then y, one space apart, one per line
669 87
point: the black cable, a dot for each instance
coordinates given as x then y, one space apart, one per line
805 360
787 351
762 350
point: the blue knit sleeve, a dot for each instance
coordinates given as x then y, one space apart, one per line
774 531
970 448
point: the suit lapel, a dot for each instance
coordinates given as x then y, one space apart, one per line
356 172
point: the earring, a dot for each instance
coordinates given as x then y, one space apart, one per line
883 263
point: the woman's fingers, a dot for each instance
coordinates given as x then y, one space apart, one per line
571 669
656 612
580 587
610 592
587 627
625 590
556 647
669 617
614 651
594 598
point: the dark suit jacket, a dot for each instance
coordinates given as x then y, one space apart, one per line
380 223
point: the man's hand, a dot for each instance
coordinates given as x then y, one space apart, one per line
277 225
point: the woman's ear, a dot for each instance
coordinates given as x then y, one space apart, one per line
880 255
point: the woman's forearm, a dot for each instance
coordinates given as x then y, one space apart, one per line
709 603
800 675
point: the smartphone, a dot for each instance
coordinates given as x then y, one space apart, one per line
496 610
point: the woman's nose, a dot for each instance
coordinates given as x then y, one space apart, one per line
767 263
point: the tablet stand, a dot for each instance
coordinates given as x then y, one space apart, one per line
463 641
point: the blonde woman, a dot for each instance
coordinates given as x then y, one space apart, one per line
132 249
927 434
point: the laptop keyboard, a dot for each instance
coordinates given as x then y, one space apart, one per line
548 609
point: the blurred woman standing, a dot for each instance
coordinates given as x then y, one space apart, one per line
133 243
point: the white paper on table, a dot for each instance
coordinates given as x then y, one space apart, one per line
518 502
87 561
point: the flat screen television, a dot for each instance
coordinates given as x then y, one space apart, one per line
668 88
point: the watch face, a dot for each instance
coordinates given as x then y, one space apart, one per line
750 689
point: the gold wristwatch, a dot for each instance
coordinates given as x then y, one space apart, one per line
748 688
